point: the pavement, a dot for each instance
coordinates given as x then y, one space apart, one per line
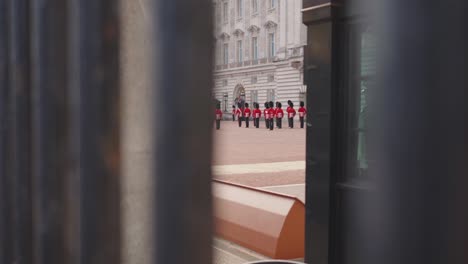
260 158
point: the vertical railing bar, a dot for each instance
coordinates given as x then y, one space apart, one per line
73 181
183 81
94 95
5 183
49 134
20 129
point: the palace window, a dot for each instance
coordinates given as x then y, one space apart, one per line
272 3
239 51
254 6
226 53
271 78
271 45
254 48
253 98
240 8
253 80
225 12
271 95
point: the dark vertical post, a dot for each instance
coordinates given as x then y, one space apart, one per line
48 73
421 106
94 95
5 183
321 99
183 112
20 129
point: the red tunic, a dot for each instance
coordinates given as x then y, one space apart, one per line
219 114
266 113
238 112
247 112
257 113
279 113
271 111
302 111
291 112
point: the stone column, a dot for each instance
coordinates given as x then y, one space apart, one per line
137 124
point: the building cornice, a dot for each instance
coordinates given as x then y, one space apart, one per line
224 36
253 29
255 68
238 32
270 24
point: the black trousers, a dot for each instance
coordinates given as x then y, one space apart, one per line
233 118
272 125
247 121
291 122
218 124
302 121
267 123
240 121
279 122
257 122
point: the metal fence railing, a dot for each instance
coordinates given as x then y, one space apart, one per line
60 131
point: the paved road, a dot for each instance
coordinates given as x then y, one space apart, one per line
269 160
259 157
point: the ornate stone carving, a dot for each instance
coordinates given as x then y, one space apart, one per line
270 24
238 32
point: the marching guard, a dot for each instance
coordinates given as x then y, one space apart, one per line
233 113
239 114
266 114
247 113
291 114
279 115
271 112
219 116
257 114
302 113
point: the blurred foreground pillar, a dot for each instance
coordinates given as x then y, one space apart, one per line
137 133
182 112
420 141
386 178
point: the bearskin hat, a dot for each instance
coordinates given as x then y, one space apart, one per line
302 104
239 105
233 106
267 105
279 105
218 106
271 104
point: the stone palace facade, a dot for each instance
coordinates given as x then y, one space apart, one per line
259 51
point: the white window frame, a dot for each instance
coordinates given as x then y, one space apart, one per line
273 4
255 48
271 95
271 44
254 6
253 97
240 9
239 51
225 12
226 53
